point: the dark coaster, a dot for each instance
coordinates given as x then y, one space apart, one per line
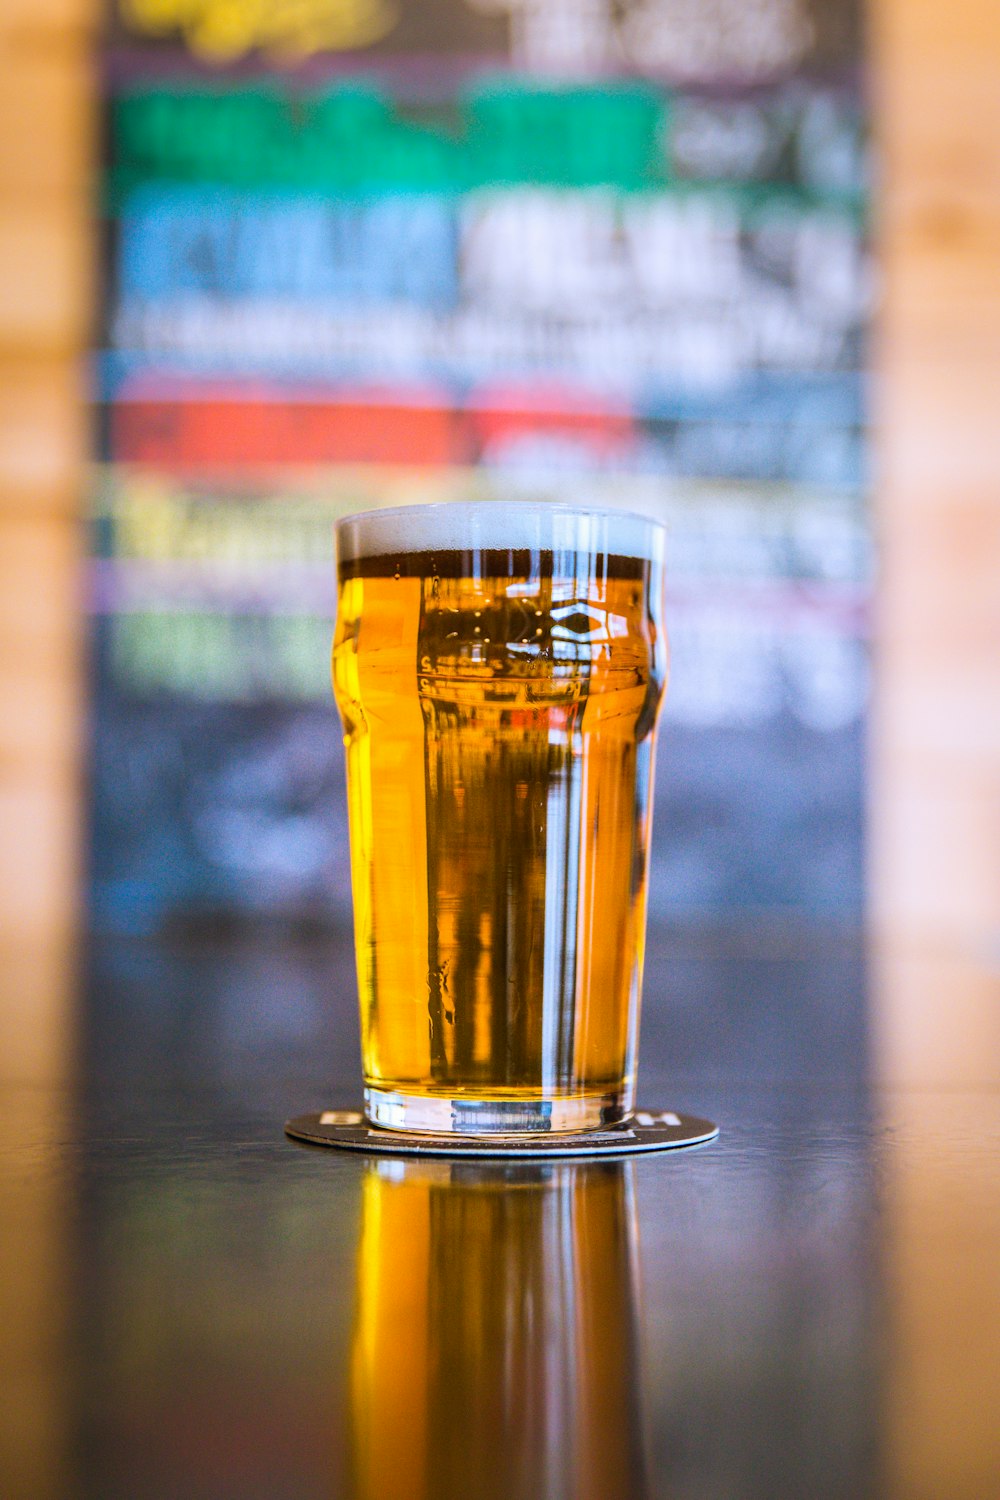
648 1130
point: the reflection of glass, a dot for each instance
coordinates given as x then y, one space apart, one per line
499 669
495 1349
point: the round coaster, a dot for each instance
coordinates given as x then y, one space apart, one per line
648 1130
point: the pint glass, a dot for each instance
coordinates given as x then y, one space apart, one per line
498 670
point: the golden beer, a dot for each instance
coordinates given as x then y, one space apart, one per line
498 670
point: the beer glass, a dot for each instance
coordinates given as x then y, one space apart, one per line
498 669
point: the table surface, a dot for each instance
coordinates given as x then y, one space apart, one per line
194 1306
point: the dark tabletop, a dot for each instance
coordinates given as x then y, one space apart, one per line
194 1306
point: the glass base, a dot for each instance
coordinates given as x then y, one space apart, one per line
478 1117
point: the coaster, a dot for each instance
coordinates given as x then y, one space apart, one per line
645 1131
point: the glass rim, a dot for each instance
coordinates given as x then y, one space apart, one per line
499 525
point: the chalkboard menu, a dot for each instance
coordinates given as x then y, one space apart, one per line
362 252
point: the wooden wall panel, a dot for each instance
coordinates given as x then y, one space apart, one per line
45 426
44 109
935 762
54 20
47 135
45 288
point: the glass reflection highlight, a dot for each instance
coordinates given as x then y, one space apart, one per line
495 1347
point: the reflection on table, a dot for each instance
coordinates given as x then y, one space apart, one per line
494 1350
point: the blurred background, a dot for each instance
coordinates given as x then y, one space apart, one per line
260 270
731 262
352 256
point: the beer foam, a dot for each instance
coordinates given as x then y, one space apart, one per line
505 526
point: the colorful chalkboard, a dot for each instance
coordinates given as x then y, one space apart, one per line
362 252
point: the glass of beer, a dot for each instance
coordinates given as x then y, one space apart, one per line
499 669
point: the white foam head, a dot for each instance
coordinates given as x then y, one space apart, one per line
505 525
